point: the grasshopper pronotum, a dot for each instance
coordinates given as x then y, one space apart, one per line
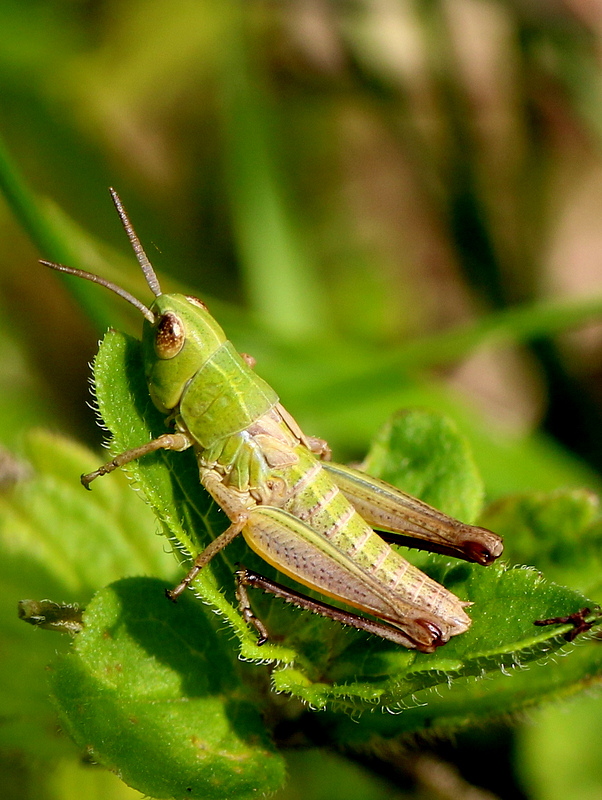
311 519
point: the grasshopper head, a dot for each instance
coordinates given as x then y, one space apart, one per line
181 338
179 333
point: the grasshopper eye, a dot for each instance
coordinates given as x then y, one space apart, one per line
169 336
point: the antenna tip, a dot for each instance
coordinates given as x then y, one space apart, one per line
53 265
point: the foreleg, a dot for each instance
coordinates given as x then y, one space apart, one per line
168 441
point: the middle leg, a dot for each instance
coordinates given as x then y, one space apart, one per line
238 515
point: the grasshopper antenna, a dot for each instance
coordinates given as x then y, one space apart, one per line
89 276
147 267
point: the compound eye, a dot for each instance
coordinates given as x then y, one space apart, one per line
169 336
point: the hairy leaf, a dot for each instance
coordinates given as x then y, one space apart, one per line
149 692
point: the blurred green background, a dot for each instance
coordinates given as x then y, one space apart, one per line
387 202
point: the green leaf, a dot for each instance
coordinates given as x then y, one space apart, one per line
150 692
423 453
559 532
444 709
58 541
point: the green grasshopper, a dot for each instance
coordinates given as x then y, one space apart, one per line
310 519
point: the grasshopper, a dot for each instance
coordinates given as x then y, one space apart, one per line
311 519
